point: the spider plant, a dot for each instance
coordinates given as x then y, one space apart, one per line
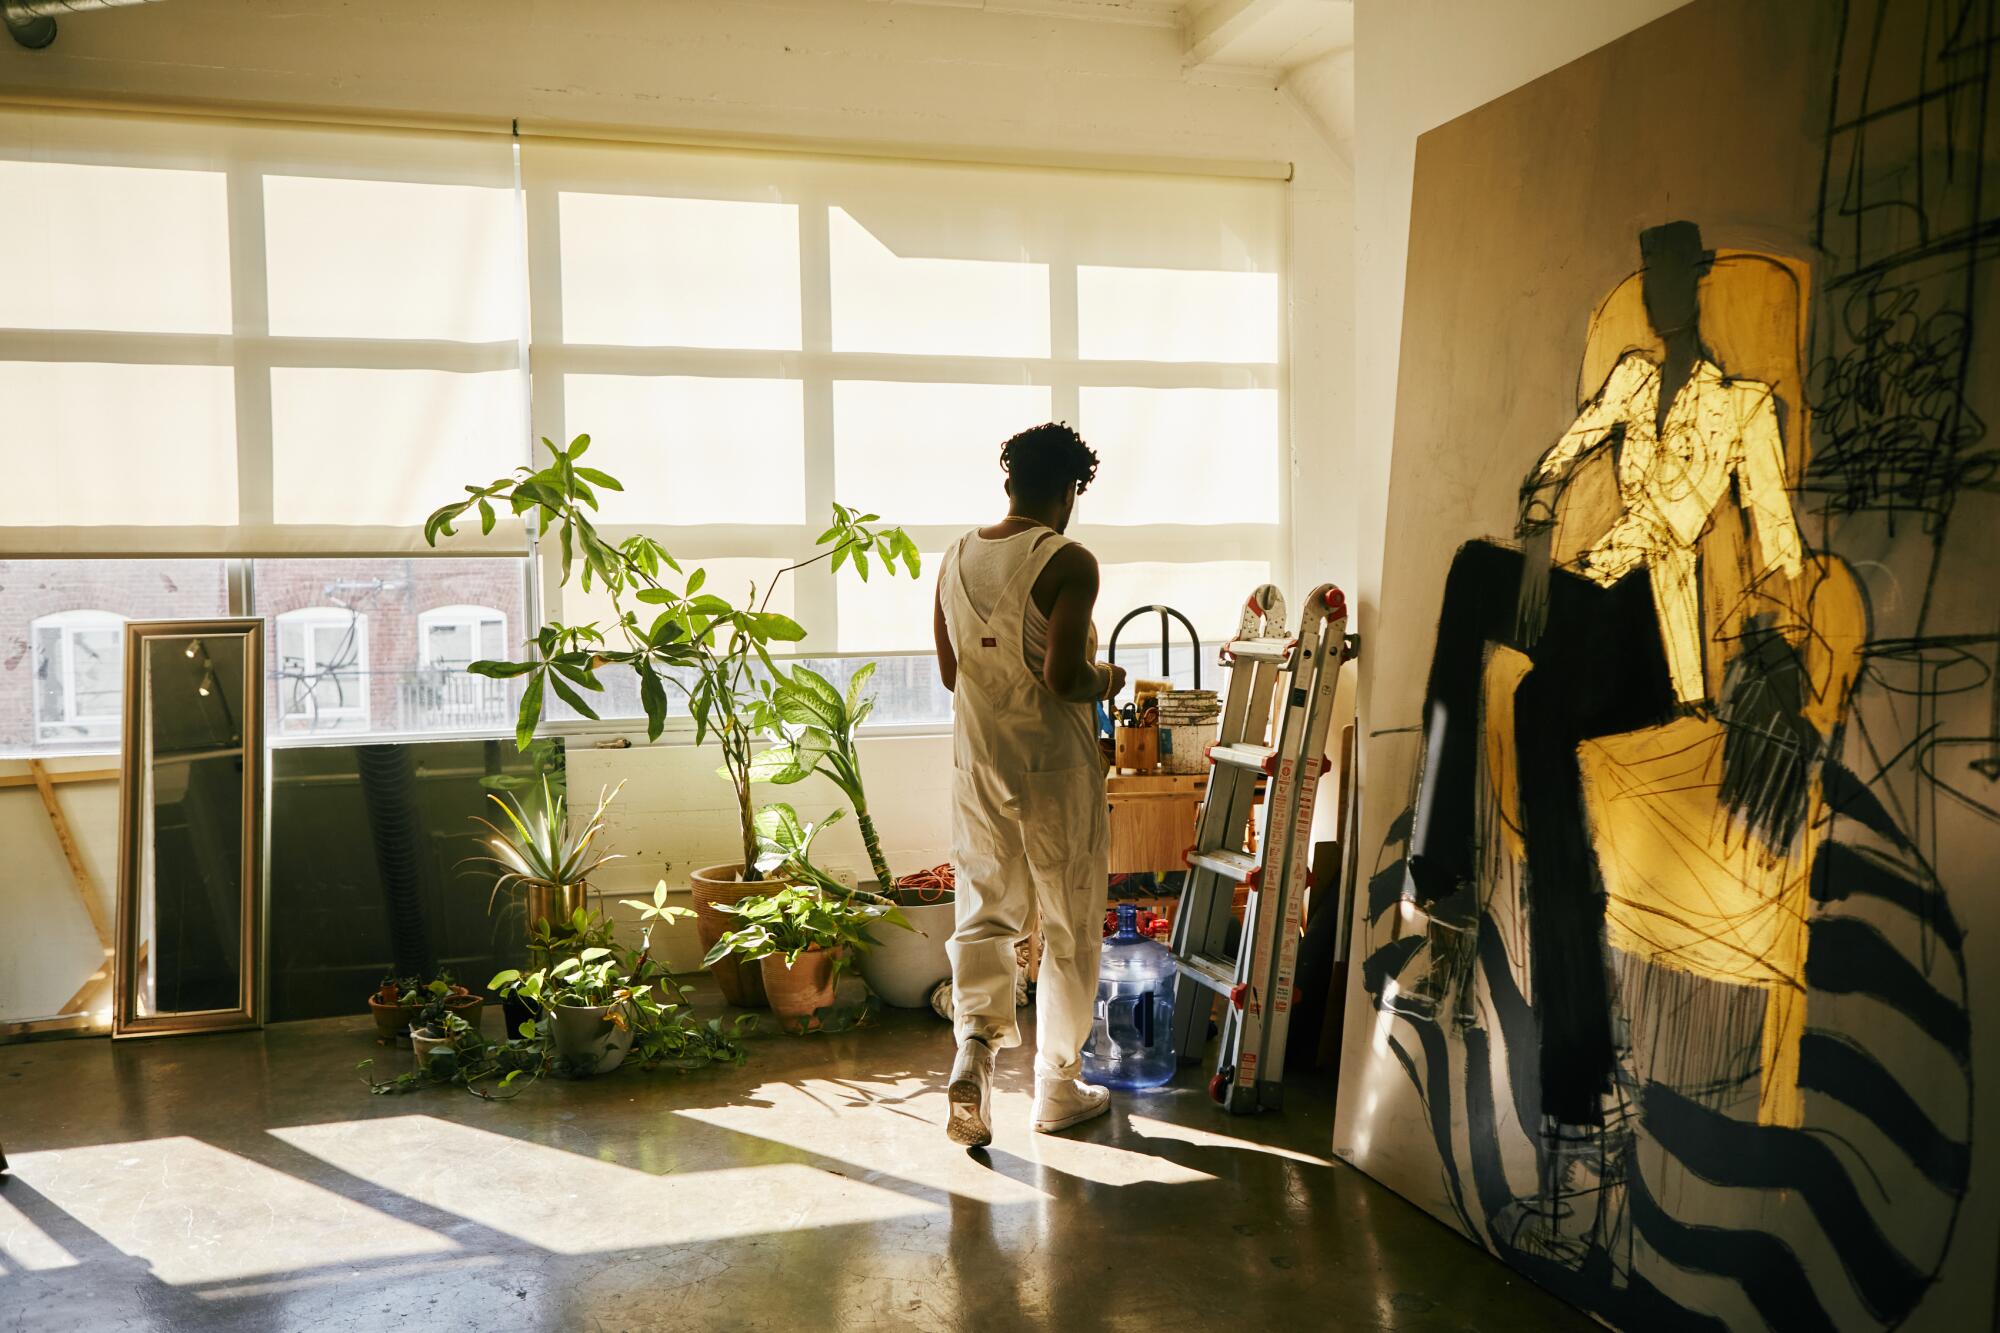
538 851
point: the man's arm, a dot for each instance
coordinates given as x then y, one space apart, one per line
947 659
1594 425
1066 667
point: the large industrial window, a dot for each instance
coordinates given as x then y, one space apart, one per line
319 335
749 337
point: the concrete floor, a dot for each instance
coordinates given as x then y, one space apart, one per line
249 1181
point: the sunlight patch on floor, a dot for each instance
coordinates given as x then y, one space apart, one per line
199 1213
897 1128
570 1204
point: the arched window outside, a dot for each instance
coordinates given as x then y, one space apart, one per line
79 675
323 669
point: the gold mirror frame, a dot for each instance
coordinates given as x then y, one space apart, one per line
133 790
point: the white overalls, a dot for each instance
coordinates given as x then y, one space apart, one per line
1029 823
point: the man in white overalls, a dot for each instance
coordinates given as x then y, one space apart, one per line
1029 829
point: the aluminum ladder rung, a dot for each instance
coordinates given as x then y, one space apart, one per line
1218 974
1237 867
1260 650
1257 758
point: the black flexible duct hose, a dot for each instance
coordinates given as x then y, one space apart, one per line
388 789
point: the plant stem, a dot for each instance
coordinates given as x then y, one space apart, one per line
866 824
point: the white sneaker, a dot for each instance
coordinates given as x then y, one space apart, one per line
1062 1102
971 1094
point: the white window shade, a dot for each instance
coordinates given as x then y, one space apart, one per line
874 329
260 338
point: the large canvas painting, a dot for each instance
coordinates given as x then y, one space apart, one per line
1679 916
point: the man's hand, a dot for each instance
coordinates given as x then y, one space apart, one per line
1117 680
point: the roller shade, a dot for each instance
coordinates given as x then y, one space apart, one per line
225 338
748 336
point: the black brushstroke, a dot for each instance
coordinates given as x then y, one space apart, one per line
1387 962
1841 872
1847 797
1741 1155
1764 1266
1837 1067
1848 957
1769 749
1385 889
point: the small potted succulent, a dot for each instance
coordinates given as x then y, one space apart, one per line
398 1000
805 934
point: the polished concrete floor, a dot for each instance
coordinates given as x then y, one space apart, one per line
250 1181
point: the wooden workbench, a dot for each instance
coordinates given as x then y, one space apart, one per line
1152 819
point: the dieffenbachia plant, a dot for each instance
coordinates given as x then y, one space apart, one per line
657 627
817 729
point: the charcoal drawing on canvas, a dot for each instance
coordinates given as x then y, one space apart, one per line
1665 946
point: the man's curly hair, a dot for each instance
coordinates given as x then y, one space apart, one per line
1043 460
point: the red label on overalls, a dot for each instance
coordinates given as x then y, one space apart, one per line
989 643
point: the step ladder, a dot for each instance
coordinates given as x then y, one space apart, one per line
1275 715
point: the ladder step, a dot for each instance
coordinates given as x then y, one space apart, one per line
1260 650
1260 758
1218 974
1237 867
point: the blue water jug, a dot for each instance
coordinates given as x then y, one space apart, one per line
1132 1042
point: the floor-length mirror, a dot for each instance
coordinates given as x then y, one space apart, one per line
191 832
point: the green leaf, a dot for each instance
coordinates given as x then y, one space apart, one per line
487 518
708 604
501 670
577 446
857 683
571 697
531 713
604 479
695 580
840 557
652 698
771 625
861 563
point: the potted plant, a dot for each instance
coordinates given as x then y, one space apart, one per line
803 935
540 854
442 1039
596 1006
818 730
693 639
399 999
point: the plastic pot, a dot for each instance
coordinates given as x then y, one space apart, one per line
427 1042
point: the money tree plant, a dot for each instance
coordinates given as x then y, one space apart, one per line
668 628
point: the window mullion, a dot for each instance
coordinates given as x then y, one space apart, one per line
814 596
250 323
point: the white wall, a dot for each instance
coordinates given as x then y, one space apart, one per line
1418 64
930 75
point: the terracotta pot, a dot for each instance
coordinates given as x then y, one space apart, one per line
742 984
392 1020
800 991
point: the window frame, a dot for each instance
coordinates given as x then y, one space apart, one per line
309 619
68 624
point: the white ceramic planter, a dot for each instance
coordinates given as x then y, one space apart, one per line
906 964
586 1038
